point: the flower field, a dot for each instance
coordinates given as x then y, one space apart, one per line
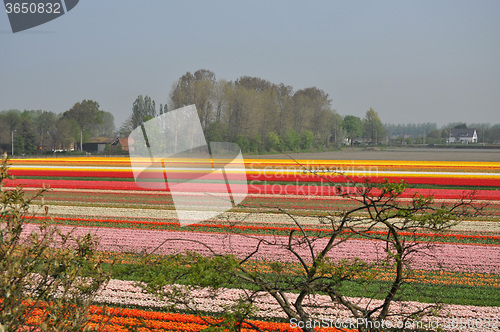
428 172
122 320
276 177
100 196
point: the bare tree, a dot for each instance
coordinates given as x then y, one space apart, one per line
311 267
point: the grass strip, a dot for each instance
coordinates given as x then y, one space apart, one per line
438 288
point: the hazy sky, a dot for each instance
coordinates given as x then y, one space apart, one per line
412 61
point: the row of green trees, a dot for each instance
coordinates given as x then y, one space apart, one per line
259 115
33 132
255 113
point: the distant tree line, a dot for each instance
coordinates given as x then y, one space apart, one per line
429 133
261 116
258 115
37 132
252 112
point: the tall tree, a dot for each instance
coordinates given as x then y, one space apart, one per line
67 133
86 115
312 111
143 110
244 118
460 126
182 92
220 100
336 129
45 123
5 135
373 129
285 107
13 117
301 112
494 134
203 90
107 127
8 124
163 109
26 129
254 83
353 127
195 89
269 112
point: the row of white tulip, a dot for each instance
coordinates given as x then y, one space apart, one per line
128 293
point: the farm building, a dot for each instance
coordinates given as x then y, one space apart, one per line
98 144
464 135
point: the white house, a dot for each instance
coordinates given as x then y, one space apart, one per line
464 135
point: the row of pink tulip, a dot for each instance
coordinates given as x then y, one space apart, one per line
438 256
295 188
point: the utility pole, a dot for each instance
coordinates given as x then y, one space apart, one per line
81 140
12 141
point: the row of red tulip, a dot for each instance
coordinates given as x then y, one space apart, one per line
438 179
276 189
255 229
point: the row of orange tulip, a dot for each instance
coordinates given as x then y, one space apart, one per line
121 320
